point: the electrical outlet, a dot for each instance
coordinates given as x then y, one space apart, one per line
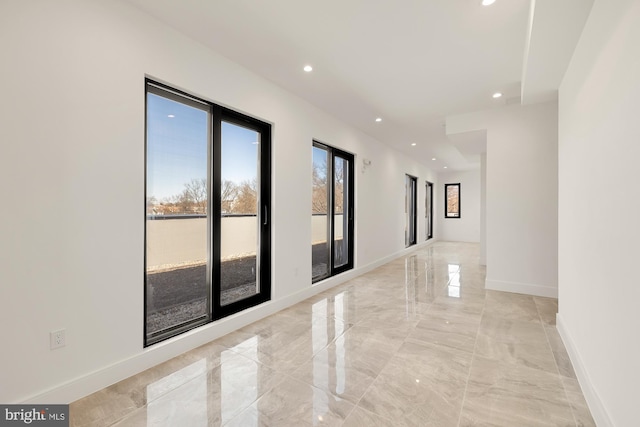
57 339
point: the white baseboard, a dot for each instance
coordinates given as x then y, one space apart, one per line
522 288
84 385
158 353
598 410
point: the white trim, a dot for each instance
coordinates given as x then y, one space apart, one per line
522 288
84 385
597 408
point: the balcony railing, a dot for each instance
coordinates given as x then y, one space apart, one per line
176 263
181 240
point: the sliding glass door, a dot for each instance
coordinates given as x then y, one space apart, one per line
342 210
331 211
207 232
178 268
320 224
239 220
428 211
410 208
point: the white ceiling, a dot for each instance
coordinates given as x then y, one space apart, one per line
411 62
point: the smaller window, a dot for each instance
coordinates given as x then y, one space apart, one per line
428 211
452 205
411 210
332 203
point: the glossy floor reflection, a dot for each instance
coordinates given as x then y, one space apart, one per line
416 342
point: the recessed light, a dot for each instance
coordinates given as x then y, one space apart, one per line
445 167
497 95
413 144
433 158
171 116
308 68
488 2
379 119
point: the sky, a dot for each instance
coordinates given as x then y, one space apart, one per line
177 148
320 160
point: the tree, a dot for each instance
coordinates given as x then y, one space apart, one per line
338 187
195 195
228 194
152 201
179 204
453 200
319 189
246 201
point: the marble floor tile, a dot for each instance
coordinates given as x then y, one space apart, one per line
398 318
371 338
462 304
515 342
284 352
460 294
450 330
349 365
565 368
578 404
101 409
294 403
415 342
512 306
186 405
421 385
512 330
514 395
422 290
280 324
362 418
337 374
302 309
547 308
236 384
106 406
210 397
554 338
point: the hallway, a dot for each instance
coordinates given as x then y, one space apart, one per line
415 342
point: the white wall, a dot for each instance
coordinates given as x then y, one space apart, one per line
599 148
467 227
521 195
72 185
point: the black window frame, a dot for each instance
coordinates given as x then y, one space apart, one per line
428 210
332 153
446 204
411 211
217 115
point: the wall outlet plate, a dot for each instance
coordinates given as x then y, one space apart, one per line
58 338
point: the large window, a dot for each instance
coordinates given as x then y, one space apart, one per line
452 200
410 209
331 211
207 232
428 211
